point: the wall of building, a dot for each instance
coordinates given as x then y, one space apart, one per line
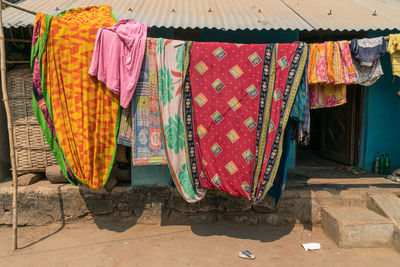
381 121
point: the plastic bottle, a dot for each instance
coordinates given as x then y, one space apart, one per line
382 165
387 164
376 162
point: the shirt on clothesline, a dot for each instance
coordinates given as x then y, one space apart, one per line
118 56
366 55
394 50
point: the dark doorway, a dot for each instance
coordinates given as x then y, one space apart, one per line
335 132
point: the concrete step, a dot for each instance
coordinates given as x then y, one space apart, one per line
355 227
388 205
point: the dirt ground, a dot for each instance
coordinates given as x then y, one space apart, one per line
84 244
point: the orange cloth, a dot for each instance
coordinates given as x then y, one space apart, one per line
84 112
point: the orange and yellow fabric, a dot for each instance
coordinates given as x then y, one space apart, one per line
85 115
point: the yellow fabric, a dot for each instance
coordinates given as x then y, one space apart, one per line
394 50
85 113
327 95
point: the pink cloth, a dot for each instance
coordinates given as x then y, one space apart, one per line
118 56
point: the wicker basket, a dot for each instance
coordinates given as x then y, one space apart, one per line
32 152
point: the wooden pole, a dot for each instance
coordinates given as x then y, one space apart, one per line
10 131
18 7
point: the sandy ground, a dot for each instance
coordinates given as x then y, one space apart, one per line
84 244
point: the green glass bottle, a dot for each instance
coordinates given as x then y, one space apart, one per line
382 165
387 164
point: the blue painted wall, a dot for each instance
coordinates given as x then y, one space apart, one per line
381 121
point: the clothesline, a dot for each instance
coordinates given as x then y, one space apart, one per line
5 3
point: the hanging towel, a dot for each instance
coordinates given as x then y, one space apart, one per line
117 57
394 50
366 55
170 64
83 113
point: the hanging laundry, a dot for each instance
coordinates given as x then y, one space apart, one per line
118 56
147 145
340 65
40 108
301 114
318 65
125 133
394 50
83 113
140 124
327 95
170 64
286 67
366 55
225 81
340 71
238 112
348 70
301 110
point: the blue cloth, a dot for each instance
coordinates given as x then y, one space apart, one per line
299 104
276 190
367 50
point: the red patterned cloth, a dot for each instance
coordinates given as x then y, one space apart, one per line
242 97
287 68
225 83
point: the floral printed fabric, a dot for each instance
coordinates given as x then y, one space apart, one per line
170 61
327 95
330 69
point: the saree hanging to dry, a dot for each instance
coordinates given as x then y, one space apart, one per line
242 97
170 64
78 115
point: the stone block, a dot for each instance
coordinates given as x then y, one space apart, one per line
386 204
396 239
354 227
123 206
111 183
55 175
29 178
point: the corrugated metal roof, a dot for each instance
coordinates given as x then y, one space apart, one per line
349 14
233 14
